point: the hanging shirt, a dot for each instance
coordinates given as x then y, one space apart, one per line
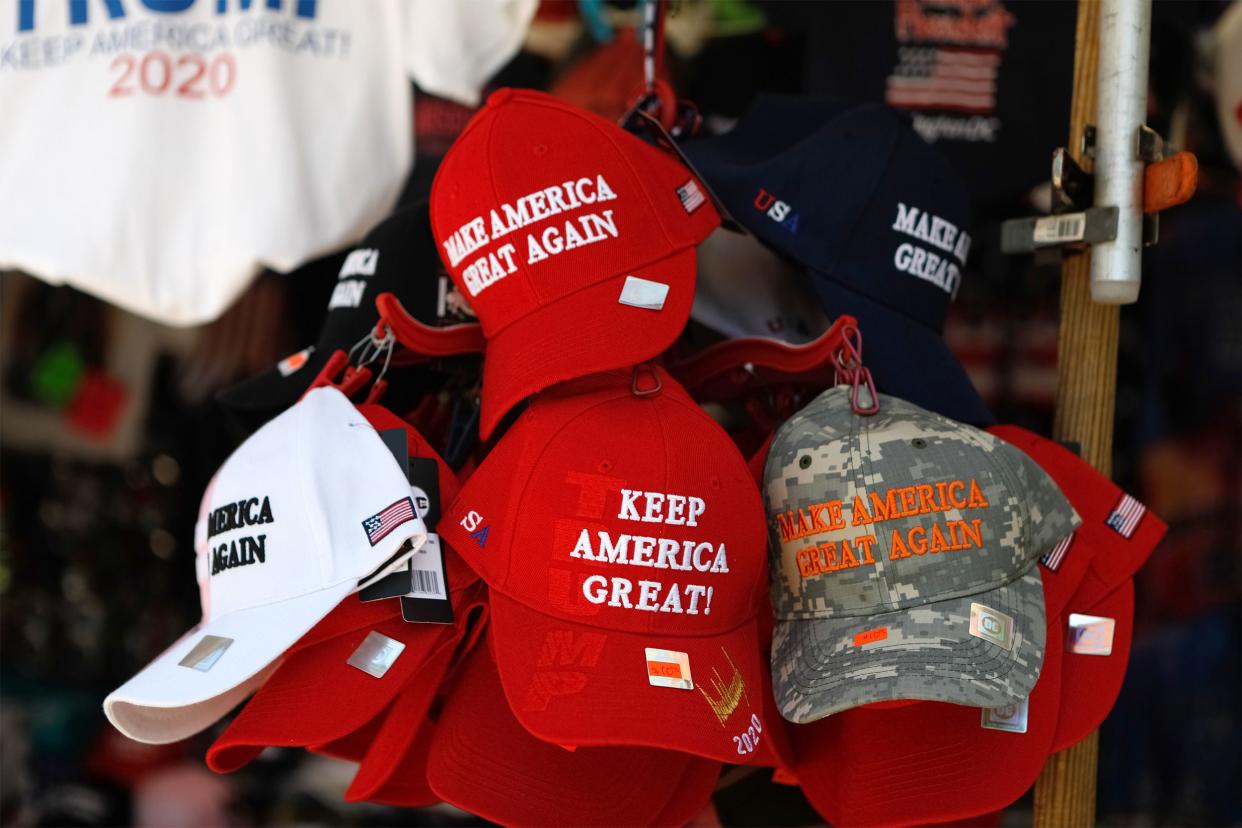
159 153
987 81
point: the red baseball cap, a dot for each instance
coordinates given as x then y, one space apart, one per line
572 240
1119 528
352 746
393 769
1096 658
918 762
921 759
621 537
348 668
325 691
405 786
483 761
926 749
1117 536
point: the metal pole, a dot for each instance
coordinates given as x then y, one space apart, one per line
1125 45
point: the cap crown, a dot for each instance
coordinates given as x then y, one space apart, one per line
284 516
850 191
868 514
597 498
397 256
537 200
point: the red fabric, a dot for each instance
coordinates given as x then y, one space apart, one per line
924 762
575 669
393 768
557 318
483 761
316 697
353 746
607 80
424 339
1092 683
1094 497
1094 579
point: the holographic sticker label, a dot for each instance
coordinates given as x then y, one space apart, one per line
991 625
1090 634
206 653
1011 718
376 654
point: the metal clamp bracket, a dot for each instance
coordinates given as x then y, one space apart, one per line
1074 223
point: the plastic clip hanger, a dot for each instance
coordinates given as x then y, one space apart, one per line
424 339
349 372
739 367
850 369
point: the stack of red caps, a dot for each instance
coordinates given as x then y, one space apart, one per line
614 523
928 762
361 682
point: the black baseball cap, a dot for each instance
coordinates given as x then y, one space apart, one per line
398 256
876 216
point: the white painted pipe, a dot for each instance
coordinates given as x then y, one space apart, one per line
1125 46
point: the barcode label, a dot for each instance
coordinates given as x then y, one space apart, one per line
427 571
424 583
1056 229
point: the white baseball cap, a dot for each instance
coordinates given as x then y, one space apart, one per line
308 506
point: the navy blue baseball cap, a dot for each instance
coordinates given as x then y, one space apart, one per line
876 216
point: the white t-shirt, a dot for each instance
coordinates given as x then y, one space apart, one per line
158 153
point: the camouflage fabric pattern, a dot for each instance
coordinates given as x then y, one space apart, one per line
827 453
927 653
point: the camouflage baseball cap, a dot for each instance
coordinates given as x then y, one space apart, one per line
904 552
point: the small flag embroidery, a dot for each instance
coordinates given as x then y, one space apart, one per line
380 525
1053 558
691 196
1126 515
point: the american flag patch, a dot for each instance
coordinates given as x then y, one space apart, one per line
381 524
1126 515
1053 558
954 79
691 196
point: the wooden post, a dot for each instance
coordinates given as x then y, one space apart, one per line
1086 397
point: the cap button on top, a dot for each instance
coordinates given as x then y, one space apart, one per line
499 96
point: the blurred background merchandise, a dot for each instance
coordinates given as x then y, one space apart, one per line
108 428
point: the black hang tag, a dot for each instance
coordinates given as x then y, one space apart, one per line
396 583
425 489
428 581
394 438
393 585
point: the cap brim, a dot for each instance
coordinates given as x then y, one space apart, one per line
483 761
602 695
316 696
271 392
925 653
925 762
393 770
584 333
167 701
353 746
1092 683
906 359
